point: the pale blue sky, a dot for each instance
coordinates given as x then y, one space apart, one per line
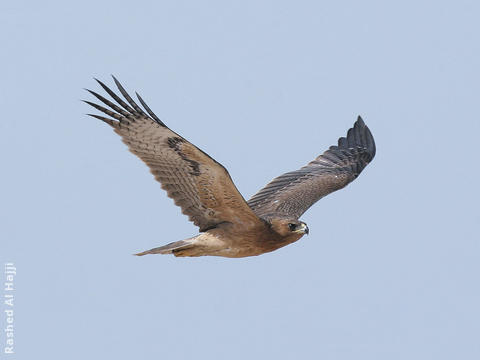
390 269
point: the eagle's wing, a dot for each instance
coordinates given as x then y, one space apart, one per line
197 183
291 194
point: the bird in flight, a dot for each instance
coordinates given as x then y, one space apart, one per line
229 226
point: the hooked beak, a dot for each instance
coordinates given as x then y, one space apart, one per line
303 229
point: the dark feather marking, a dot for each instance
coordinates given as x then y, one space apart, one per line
174 143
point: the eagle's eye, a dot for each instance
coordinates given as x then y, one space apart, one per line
292 227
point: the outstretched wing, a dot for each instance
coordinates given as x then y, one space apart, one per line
291 194
197 183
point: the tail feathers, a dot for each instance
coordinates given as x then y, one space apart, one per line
171 248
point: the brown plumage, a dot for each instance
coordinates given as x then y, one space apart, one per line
229 226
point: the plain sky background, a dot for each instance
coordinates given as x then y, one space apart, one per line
391 267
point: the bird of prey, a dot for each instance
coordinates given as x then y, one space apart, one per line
230 226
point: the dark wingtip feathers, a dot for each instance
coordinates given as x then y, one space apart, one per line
132 110
355 150
367 137
150 112
360 137
360 121
104 119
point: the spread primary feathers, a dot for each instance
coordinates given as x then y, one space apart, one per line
230 226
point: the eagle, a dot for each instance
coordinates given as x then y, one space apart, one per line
228 225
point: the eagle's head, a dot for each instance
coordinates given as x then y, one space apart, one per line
289 227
